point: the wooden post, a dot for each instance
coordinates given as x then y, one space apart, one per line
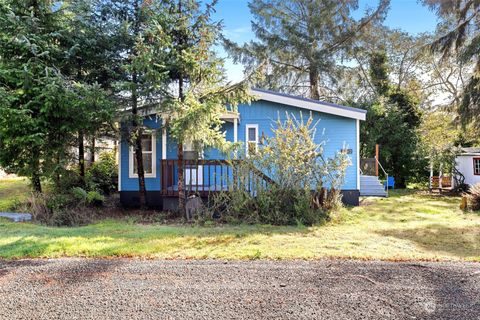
440 176
430 186
376 158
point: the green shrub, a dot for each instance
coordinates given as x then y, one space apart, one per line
79 194
102 175
69 209
67 180
296 164
95 198
474 197
59 210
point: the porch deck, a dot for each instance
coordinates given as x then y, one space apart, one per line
204 177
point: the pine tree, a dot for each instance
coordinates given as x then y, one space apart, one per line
300 41
34 115
196 91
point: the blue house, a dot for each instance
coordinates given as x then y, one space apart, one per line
339 127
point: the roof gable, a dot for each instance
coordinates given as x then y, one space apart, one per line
310 104
470 151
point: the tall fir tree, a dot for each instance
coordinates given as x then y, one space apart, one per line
34 115
196 92
301 41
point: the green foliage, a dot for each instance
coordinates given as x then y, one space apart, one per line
379 72
66 180
300 177
194 110
300 42
41 108
462 39
103 174
95 198
79 194
392 122
64 209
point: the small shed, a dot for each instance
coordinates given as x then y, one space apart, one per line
467 162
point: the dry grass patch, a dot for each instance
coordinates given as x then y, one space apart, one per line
13 191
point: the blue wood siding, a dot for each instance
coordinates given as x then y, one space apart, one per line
337 133
131 184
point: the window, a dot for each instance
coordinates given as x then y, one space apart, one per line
148 152
476 166
251 138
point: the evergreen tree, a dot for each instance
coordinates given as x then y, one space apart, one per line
196 91
462 20
300 41
34 115
393 120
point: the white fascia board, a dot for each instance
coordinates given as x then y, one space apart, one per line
310 105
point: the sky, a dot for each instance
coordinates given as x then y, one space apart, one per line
408 15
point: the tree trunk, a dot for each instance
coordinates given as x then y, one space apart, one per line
36 183
81 157
181 189
137 131
313 73
35 177
180 172
137 123
92 150
313 77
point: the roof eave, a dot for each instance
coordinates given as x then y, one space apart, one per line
318 106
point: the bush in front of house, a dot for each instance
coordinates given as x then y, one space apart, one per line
72 202
102 175
57 209
288 180
473 197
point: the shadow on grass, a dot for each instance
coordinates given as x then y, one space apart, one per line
458 242
118 238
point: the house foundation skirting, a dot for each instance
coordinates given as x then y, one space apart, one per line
351 197
156 200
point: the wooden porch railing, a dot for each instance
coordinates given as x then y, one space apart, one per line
442 182
208 176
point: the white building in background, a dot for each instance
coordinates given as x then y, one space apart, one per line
468 164
4 175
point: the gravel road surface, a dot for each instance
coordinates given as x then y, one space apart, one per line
157 289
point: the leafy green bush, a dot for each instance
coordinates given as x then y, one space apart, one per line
79 194
102 175
95 198
66 180
474 197
297 167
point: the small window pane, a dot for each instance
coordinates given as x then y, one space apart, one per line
252 134
476 166
147 142
147 163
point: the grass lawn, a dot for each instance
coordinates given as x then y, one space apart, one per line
12 192
405 226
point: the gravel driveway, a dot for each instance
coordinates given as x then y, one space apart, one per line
328 289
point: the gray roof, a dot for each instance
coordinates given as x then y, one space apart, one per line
310 100
471 150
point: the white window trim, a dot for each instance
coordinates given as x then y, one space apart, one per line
249 126
154 160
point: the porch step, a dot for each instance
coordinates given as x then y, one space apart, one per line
370 186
